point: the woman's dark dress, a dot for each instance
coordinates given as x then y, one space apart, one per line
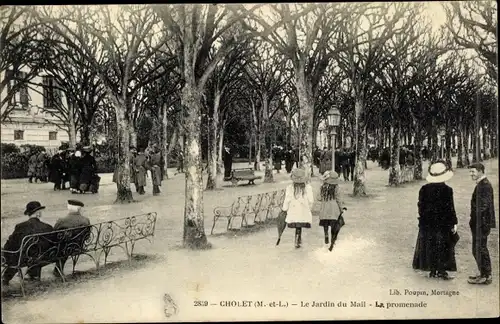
435 249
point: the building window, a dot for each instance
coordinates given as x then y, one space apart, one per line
17 83
52 136
18 135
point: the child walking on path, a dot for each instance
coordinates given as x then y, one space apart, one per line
298 202
332 206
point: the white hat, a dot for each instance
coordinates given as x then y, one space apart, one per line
78 154
438 172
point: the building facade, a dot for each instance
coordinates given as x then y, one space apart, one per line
31 114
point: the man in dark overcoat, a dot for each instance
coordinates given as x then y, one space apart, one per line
74 169
352 162
140 167
56 170
344 164
227 158
289 160
89 169
40 167
155 161
482 220
32 226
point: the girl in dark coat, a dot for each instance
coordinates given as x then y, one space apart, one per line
437 224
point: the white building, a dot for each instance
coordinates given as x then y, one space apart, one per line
29 120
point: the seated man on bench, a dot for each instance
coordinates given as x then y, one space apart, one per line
72 220
32 226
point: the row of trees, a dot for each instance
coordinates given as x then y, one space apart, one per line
182 66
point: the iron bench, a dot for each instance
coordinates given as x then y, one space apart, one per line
243 174
93 240
246 206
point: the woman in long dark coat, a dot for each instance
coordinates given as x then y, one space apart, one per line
437 224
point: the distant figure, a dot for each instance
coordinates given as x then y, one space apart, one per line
289 160
482 220
155 161
32 165
227 158
75 168
437 222
88 171
140 171
72 220
32 226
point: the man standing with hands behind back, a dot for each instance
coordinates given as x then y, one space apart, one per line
482 220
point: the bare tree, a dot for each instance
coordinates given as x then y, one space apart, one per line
20 55
302 32
128 37
197 30
266 75
365 35
473 25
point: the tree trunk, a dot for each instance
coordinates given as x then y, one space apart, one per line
250 144
289 130
220 148
447 148
474 145
395 169
466 146
85 135
435 148
460 148
306 104
257 128
133 136
359 186
72 123
268 174
164 139
418 153
194 228
212 146
123 194
485 142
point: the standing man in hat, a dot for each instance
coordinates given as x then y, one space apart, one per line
75 167
437 222
140 168
298 203
72 220
227 158
482 220
32 165
32 226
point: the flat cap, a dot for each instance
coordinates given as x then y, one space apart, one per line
75 202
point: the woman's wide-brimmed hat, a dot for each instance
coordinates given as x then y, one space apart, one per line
332 178
439 172
32 207
299 176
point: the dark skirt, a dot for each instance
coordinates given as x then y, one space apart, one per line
299 225
327 222
433 247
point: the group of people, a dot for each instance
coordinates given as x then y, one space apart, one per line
345 160
34 225
299 200
140 162
77 167
289 155
435 248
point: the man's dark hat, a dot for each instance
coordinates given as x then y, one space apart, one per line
75 202
86 149
32 207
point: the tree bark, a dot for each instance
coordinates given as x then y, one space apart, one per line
123 194
72 123
164 139
418 153
257 128
220 147
194 228
212 146
133 136
268 173
466 146
306 104
395 169
359 186
460 148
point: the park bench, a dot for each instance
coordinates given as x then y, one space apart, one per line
241 175
246 206
93 240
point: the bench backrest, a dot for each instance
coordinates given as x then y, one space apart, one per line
257 203
243 172
45 248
